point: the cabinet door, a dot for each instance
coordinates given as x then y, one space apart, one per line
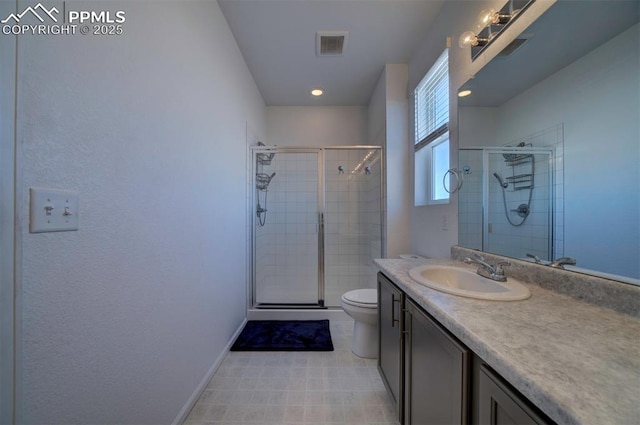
436 372
500 405
390 302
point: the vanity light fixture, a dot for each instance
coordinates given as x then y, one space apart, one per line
491 23
317 92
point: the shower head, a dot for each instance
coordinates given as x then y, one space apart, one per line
502 182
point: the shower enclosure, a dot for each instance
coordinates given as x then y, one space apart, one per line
507 202
317 224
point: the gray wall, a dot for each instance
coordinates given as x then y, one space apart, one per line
124 318
316 126
388 127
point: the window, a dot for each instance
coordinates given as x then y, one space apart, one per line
432 134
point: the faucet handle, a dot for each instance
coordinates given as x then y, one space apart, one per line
499 270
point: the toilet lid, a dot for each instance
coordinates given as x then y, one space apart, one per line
363 297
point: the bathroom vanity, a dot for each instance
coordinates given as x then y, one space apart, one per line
548 359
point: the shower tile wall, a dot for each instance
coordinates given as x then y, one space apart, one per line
352 221
286 251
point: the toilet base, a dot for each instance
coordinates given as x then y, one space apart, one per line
365 340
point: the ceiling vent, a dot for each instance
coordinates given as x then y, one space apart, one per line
331 43
514 46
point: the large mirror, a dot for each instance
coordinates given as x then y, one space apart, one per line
550 143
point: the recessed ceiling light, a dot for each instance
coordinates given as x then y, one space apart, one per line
317 92
464 93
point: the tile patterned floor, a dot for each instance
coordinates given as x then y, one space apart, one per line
296 388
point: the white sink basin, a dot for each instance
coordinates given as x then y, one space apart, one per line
466 283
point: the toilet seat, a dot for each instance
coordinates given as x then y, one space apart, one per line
364 298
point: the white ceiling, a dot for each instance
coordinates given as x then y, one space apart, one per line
277 39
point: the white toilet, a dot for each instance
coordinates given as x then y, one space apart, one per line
362 306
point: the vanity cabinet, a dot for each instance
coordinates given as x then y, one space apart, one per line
390 326
433 377
436 369
498 404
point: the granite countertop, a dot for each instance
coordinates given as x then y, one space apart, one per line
579 363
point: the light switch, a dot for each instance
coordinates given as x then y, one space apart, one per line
53 210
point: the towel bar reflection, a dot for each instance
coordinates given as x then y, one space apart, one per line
459 180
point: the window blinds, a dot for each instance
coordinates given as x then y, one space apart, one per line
432 103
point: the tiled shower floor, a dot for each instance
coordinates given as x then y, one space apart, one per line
295 388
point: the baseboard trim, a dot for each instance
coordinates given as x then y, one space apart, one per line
186 409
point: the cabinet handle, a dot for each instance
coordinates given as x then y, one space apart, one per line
393 310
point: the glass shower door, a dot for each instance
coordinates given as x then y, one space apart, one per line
352 219
287 201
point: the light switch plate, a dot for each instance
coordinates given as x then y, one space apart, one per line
53 210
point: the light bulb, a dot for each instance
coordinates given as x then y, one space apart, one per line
487 17
464 93
467 38
316 92
492 17
470 39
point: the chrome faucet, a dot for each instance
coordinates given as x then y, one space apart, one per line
560 262
495 272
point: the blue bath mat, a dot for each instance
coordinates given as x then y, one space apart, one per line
284 335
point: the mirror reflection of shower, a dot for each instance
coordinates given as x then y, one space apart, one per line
522 167
263 179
